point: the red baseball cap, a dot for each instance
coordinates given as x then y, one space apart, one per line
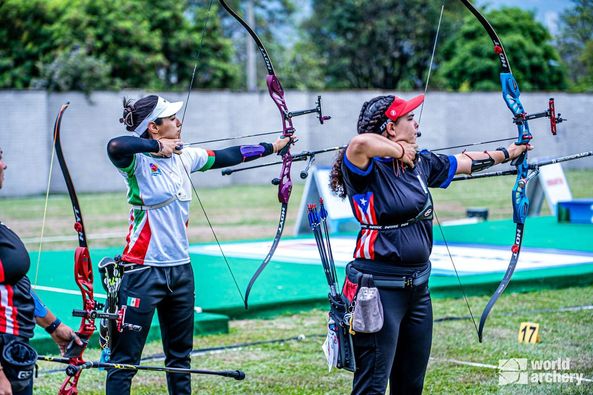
401 107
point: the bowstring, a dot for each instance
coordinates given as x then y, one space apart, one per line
434 47
193 76
41 236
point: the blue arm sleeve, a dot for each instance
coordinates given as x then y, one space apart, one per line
451 172
40 309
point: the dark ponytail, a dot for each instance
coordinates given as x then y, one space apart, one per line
135 112
372 117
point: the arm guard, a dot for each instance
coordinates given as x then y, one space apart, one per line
238 154
482 164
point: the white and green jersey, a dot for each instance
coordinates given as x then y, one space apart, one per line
157 236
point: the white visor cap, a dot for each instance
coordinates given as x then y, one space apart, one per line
163 109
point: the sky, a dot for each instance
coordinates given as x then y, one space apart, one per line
546 11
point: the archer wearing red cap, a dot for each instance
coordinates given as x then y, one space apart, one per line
386 181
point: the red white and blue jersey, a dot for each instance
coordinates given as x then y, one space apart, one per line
16 302
383 194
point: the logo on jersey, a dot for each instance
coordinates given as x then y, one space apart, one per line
364 208
133 302
154 169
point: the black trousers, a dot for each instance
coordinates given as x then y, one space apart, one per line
169 290
399 352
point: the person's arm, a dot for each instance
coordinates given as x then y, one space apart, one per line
121 150
364 147
235 155
5 386
470 162
61 333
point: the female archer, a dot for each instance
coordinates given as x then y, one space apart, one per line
156 263
386 181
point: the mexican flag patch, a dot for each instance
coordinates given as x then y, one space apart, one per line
133 302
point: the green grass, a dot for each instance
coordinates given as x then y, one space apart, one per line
298 367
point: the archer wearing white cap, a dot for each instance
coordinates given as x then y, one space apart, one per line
157 273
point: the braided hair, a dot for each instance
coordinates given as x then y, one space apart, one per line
135 112
371 119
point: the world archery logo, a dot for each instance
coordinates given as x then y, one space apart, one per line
154 169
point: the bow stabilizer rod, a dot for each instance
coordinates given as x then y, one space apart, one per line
73 370
532 166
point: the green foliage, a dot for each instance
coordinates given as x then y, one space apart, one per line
26 38
305 69
362 44
273 22
112 44
470 64
575 44
115 32
190 33
74 70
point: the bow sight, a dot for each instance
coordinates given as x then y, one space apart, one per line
119 317
549 113
322 118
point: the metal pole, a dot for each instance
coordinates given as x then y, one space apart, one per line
251 69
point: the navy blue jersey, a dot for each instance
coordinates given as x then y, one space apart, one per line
16 302
383 194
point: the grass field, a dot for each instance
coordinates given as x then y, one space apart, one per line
297 366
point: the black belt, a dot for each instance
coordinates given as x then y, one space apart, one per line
414 280
386 227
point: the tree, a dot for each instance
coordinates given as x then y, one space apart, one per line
112 44
26 39
575 43
470 64
74 70
191 34
369 44
273 21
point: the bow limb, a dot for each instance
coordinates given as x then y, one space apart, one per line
83 270
511 96
284 182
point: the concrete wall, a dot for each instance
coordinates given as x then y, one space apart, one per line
90 122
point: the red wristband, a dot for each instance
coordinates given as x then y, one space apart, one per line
403 150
